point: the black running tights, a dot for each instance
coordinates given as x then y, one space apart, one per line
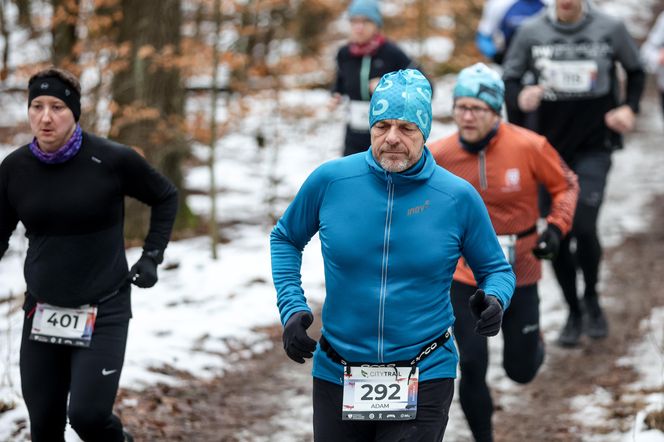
523 352
89 376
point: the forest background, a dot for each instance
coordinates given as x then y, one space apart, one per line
179 79
141 60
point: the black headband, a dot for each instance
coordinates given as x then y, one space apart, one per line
55 87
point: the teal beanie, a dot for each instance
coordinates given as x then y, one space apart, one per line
481 82
366 8
403 95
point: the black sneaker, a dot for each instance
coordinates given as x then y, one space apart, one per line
596 326
571 333
127 437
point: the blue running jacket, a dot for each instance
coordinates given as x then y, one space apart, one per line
390 244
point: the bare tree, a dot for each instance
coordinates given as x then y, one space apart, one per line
148 95
4 71
63 28
213 227
24 16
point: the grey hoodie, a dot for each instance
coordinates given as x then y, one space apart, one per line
575 63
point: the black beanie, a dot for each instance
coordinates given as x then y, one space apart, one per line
54 86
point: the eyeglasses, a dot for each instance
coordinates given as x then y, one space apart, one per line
475 111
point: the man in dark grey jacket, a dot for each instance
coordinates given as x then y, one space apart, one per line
572 51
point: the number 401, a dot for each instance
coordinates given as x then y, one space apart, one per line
64 321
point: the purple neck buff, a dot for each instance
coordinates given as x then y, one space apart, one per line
61 155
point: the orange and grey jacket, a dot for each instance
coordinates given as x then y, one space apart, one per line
507 173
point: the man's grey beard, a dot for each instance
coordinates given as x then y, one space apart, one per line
394 166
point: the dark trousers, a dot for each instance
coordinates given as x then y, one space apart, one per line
433 405
523 352
592 170
89 376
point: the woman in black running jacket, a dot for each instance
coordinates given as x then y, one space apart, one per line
68 187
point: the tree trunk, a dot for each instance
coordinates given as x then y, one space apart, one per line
214 228
4 71
149 96
24 17
63 28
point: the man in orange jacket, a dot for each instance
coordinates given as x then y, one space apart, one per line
506 164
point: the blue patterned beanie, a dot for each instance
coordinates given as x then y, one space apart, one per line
403 95
368 9
481 82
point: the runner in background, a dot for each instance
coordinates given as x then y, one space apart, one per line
652 51
505 163
392 225
498 24
500 20
572 50
68 187
360 64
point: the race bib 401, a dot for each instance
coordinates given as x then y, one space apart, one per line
59 325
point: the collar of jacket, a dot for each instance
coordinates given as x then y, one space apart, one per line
482 144
419 172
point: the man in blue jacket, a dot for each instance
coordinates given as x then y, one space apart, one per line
392 226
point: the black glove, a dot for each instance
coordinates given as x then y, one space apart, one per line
297 343
488 311
548 243
144 273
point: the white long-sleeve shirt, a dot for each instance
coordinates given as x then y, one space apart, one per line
650 51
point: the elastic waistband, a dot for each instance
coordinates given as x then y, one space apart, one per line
422 354
527 232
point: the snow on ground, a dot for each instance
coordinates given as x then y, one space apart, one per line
203 309
648 358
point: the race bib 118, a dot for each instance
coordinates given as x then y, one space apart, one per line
573 76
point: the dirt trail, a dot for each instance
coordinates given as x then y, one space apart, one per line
242 406
636 270
250 405
238 407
